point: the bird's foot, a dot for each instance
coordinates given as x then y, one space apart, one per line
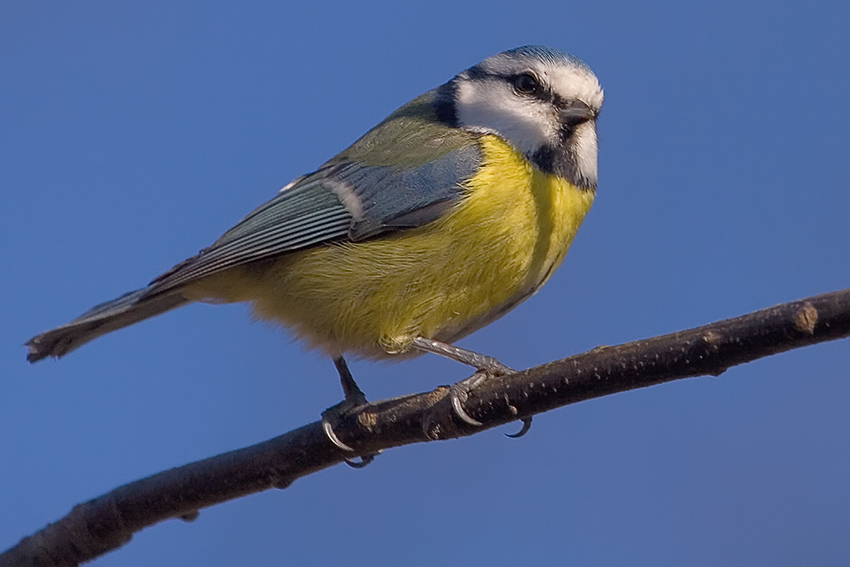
354 399
487 367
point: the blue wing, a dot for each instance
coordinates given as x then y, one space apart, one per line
340 201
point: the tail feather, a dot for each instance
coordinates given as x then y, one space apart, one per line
104 318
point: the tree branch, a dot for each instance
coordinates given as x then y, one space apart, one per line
109 521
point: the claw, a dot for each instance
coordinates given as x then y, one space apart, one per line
455 393
526 426
365 460
461 413
329 433
190 516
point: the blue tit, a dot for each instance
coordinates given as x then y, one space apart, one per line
442 218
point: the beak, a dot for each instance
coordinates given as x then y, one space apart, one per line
576 112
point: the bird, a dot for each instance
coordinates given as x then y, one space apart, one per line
442 218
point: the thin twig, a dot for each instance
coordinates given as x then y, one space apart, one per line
108 522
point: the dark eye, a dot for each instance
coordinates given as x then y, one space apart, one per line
526 84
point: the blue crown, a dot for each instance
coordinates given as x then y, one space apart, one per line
550 54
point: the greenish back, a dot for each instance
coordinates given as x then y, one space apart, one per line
409 137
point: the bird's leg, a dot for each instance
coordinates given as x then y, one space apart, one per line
485 365
353 394
354 398
480 362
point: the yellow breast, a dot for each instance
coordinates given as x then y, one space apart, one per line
443 280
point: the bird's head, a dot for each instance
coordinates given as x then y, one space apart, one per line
542 101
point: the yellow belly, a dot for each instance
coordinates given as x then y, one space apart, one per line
442 281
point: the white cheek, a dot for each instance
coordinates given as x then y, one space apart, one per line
491 107
585 150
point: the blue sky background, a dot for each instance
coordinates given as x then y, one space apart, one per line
133 135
